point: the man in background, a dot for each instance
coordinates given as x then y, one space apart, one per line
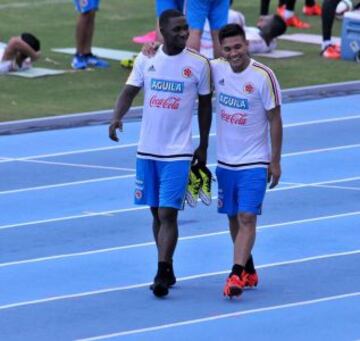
19 53
85 28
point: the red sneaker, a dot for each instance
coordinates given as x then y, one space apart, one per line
337 47
295 21
250 280
331 52
312 10
234 286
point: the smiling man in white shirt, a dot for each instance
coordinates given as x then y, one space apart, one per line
249 139
172 80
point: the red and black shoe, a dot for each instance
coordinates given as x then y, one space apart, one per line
234 286
250 280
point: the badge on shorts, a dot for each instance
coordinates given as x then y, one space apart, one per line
220 203
138 194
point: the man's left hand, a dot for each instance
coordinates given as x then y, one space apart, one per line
274 173
200 156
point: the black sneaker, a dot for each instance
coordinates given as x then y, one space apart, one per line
170 279
160 287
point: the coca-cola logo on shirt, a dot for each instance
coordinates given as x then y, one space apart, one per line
236 118
171 102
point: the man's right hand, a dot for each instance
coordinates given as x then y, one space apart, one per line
149 49
112 130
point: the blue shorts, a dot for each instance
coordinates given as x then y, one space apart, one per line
161 183
241 191
163 5
216 11
84 6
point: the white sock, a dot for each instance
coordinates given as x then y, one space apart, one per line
288 14
325 44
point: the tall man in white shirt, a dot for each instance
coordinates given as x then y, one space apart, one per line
248 116
172 80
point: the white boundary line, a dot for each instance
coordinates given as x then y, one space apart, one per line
79 151
80 165
290 125
305 152
3 227
66 184
323 186
221 316
196 236
180 279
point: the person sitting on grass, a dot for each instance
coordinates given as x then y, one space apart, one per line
19 53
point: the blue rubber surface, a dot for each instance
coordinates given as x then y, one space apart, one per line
77 257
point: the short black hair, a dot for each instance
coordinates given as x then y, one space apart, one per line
31 40
231 30
167 15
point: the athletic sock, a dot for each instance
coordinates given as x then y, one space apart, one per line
325 44
249 266
236 270
288 14
164 269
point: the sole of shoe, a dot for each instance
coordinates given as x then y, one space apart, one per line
171 283
190 200
235 291
204 198
160 290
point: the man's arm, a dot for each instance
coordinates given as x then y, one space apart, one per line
122 106
204 118
16 44
276 133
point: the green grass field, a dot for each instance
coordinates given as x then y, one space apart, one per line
116 23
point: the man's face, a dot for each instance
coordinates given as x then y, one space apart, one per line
176 32
235 51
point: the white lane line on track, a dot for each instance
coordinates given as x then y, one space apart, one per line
197 236
221 316
130 145
180 279
80 165
305 152
79 151
66 184
4 227
314 184
322 186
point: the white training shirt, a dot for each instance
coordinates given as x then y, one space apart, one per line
171 86
242 100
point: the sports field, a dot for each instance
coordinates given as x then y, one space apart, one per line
117 22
